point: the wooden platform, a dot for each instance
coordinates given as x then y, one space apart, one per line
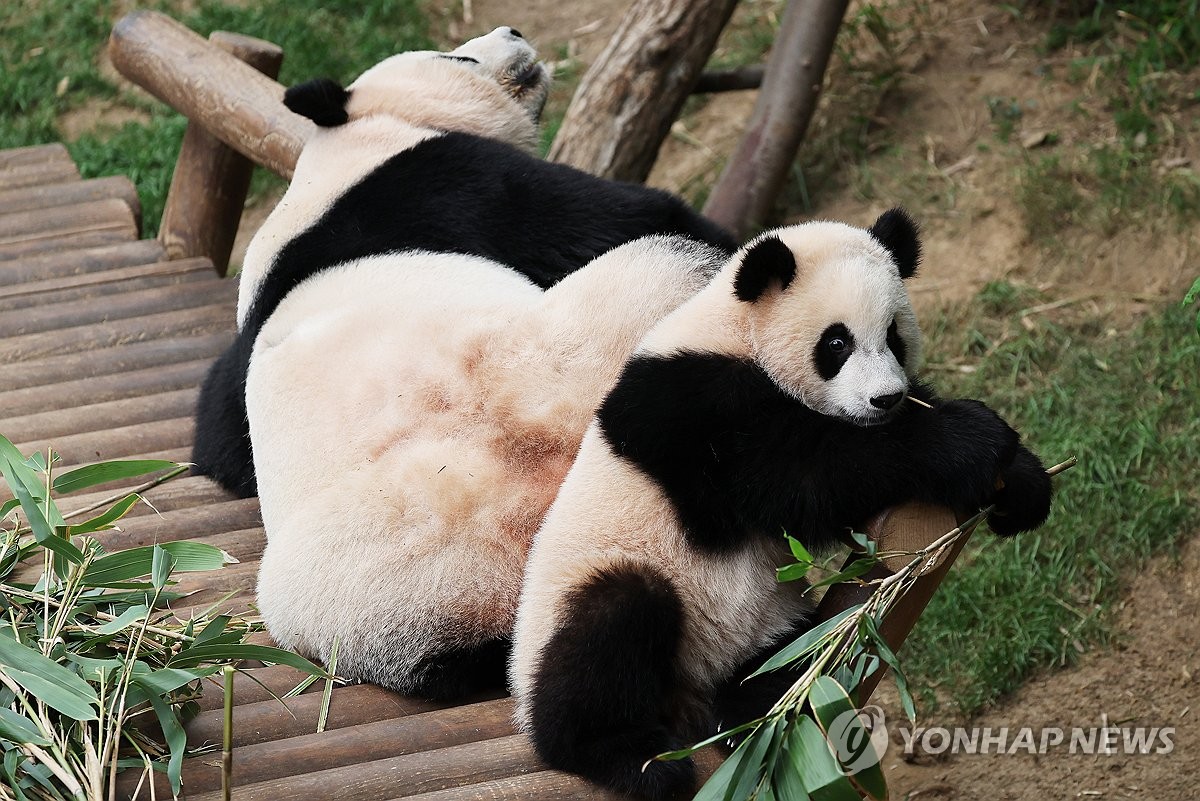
103 344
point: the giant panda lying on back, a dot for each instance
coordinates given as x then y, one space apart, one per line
428 151
773 401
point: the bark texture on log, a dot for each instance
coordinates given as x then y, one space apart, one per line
743 196
209 186
631 95
230 99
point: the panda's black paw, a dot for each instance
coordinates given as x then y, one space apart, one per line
981 447
1023 501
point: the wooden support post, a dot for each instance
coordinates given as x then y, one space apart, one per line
230 99
628 99
208 189
903 528
744 194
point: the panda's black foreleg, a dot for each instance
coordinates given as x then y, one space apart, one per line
221 445
604 688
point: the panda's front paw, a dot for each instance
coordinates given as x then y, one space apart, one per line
985 445
1023 502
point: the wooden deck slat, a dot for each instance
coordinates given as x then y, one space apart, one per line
80 261
44 196
51 370
23 228
171 324
94 285
239 514
544 785
91 238
104 415
121 305
180 493
131 384
264 721
115 443
413 774
40 164
335 748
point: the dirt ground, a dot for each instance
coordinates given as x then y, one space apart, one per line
940 158
964 53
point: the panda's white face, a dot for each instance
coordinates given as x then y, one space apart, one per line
841 336
491 86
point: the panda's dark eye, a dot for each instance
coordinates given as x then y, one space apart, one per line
466 59
833 350
836 345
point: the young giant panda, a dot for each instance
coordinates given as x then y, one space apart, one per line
413 415
424 151
773 401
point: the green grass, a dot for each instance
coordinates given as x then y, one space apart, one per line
1126 405
50 44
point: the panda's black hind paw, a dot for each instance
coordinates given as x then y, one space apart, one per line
1023 502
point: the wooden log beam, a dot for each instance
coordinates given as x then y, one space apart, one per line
629 97
233 101
211 179
743 196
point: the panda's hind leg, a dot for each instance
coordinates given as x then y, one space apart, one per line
604 688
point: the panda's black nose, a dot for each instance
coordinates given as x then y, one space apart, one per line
515 33
887 402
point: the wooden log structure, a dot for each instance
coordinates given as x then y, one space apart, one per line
211 179
104 344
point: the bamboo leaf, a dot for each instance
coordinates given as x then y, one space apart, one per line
104 521
786 777
852 743
749 772
8 506
16 657
161 563
869 627
806 643
125 619
684 753
798 550
123 566
792 572
719 785
175 737
20 729
71 704
102 473
199 654
814 761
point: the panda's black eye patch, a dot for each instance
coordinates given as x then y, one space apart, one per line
467 59
896 344
833 349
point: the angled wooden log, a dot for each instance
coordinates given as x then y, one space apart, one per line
631 95
211 179
229 98
743 196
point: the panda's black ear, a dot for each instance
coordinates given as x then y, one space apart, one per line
322 100
898 233
768 260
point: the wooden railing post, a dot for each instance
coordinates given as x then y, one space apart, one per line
211 179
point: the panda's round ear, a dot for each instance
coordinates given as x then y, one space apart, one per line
322 100
766 261
897 232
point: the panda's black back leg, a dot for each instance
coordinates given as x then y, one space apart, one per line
221 445
740 700
605 686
